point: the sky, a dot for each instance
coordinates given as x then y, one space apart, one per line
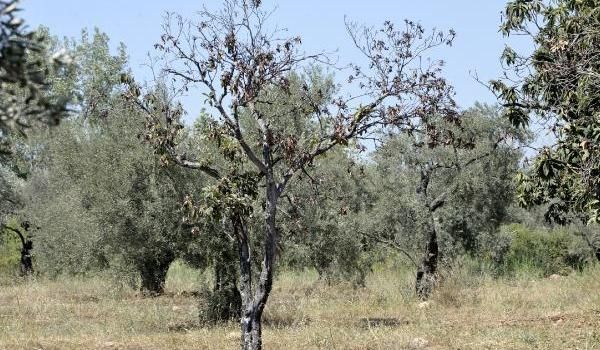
320 23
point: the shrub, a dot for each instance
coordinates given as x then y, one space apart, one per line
542 252
10 257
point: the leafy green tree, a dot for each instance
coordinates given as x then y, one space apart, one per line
557 83
116 205
452 194
319 224
100 195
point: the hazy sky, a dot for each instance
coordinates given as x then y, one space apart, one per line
320 23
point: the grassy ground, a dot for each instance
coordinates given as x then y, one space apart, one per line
467 312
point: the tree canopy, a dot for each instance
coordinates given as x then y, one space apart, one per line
558 84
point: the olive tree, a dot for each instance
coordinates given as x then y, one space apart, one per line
234 60
321 214
457 190
99 193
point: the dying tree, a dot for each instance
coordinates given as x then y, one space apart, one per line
236 62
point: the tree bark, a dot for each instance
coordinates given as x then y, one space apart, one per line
426 275
154 273
26 261
253 305
265 282
26 264
246 319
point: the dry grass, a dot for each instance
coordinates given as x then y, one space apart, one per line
465 313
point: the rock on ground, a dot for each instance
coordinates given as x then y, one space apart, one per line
418 343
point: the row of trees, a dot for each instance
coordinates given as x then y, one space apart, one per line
284 164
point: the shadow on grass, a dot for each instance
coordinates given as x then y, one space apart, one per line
371 322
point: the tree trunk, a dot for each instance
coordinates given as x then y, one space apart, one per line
246 320
26 265
26 262
254 305
154 273
426 275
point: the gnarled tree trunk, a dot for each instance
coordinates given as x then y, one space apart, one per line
26 261
26 264
153 273
427 272
255 299
426 275
247 317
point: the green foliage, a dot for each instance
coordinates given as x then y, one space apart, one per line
223 303
10 246
538 251
321 226
70 241
98 193
25 66
10 198
558 83
26 99
472 181
114 201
